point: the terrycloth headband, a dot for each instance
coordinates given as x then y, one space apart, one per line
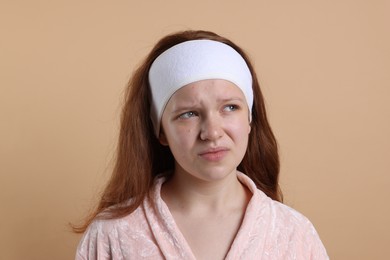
193 61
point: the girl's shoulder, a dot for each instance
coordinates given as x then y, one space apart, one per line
116 238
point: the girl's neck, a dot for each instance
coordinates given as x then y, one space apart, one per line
187 195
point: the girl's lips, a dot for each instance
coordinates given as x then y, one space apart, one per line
214 154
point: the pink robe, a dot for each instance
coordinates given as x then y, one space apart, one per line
270 230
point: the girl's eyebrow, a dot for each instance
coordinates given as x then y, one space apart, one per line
223 100
192 106
182 108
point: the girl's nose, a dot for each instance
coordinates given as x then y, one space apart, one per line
211 129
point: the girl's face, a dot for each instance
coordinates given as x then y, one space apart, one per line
206 126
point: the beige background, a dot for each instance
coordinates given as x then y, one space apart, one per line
324 69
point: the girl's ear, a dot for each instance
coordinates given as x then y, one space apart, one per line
162 138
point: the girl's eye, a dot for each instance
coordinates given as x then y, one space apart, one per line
230 108
188 114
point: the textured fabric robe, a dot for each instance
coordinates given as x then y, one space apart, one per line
269 230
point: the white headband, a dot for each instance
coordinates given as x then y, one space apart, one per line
193 61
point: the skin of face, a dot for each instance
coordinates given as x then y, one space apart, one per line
206 126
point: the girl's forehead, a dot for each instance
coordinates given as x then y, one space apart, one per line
207 94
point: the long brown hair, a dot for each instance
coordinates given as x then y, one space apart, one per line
140 157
